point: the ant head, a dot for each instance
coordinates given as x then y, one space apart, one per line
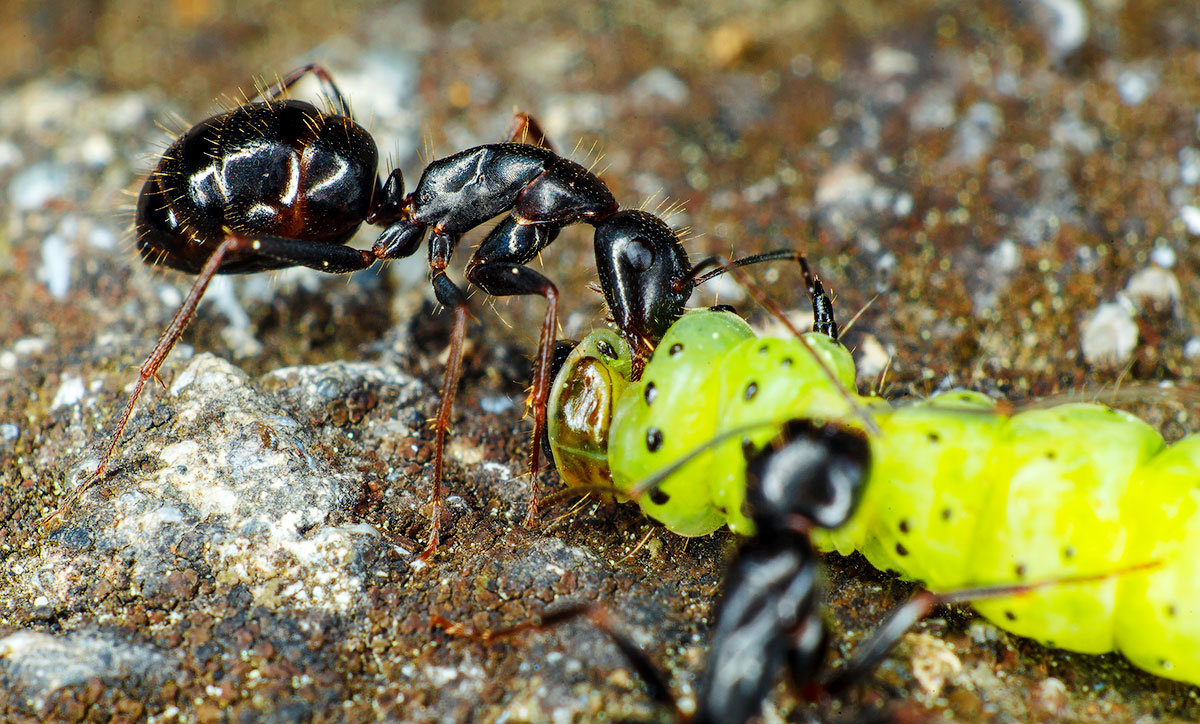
644 273
816 472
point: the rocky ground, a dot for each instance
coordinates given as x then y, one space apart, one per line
1011 192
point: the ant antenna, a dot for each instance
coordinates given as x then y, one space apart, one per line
823 316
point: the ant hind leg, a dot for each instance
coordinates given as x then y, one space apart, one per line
328 87
599 616
149 368
525 129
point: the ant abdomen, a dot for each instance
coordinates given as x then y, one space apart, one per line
281 170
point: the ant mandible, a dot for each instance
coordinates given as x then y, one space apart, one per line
277 183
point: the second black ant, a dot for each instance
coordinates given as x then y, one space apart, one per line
769 619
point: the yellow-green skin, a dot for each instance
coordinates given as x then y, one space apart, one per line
958 495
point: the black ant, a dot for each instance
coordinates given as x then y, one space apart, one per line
279 183
268 185
769 620
811 475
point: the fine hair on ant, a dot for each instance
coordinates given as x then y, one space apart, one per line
277 183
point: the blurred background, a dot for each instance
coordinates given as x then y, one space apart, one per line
1008 192
942 145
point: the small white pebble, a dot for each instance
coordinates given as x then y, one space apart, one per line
982 632
1190 216
38 185
846 183
10 155
659 83
1189 165
1163 256
1154 287
70 391
1135 85
871 358
888 61
97 150
496 404
30 345
55 271
170 296
1109 335
933 662
1064 23
1050 695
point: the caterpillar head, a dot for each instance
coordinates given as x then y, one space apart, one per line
586 387
644 274
814 471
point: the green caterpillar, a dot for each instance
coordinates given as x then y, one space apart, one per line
959 494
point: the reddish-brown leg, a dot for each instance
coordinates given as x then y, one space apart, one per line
503 277
498 271
539 396
451 296
525 129
870 652
599 616
330 88
331 258
149 369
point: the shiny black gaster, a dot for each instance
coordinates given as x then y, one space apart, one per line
280 170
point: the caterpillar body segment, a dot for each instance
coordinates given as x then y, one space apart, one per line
764 374
958 494
1157 621
661 417
1065 491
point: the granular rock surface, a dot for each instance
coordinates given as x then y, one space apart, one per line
1009 192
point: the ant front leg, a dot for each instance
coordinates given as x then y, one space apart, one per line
498 268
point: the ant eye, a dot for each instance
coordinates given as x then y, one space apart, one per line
638 254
